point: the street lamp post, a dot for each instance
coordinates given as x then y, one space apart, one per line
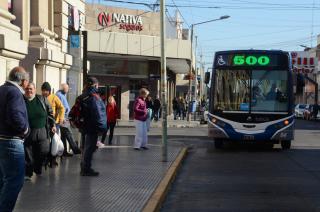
163 84
191 56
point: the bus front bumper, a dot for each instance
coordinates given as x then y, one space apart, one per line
271 133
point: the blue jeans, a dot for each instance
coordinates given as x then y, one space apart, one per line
89 147
12 168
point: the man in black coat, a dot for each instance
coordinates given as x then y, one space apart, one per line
93 111
156 107
14 128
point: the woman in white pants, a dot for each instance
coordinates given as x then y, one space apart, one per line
140 120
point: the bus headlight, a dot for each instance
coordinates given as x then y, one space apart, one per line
218 122
282 124
214 120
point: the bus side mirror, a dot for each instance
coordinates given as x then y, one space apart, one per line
207 78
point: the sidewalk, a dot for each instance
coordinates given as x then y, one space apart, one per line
126 182
171 123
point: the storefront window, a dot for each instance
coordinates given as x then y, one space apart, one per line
134 69
138 69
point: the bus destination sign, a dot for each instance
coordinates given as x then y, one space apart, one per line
251 60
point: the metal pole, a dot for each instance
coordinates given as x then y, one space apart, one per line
85 58
201 77
163 84
196 71
190 74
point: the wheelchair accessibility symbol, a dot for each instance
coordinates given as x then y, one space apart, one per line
221 62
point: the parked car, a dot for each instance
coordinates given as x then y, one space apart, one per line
311 112
298 110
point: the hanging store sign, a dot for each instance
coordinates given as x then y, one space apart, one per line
127 22
303 62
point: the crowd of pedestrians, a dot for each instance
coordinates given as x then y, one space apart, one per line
29 122
179 106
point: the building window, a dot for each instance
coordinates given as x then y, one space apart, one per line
119 67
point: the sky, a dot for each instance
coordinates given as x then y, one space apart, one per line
257 24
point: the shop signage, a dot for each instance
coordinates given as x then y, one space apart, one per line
127 22
303 62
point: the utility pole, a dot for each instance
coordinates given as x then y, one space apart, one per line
85 58
196 71
190 75
201 76
164 96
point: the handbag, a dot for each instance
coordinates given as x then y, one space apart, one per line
57 147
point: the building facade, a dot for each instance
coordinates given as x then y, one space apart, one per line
124 53
36 35
306 66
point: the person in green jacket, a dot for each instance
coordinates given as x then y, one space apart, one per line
42 125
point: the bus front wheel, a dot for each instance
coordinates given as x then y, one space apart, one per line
218 143
286 144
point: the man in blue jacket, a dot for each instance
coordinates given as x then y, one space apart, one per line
14 128
93 112
66 134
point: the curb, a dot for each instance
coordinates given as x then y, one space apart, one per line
159 195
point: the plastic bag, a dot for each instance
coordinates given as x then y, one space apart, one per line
57 147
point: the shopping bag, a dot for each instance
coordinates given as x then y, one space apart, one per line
57 147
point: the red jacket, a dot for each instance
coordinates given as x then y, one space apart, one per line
140 109
112 113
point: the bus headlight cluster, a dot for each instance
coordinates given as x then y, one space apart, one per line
282 124
218 122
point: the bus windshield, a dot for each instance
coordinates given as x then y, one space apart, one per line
267 90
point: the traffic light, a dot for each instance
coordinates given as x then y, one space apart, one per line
300 83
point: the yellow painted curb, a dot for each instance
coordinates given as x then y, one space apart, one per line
159 194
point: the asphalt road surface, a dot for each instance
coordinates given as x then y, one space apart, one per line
250 178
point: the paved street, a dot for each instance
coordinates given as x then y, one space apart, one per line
250 178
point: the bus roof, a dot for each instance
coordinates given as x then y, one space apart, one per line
252 51
252 58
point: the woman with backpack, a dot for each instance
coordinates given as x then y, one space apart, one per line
112 115
140 120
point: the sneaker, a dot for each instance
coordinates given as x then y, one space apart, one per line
145 148
90 173
27 178
138 149
100 144
77 151
67 154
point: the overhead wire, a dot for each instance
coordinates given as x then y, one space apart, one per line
289 7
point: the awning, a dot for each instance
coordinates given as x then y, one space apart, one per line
178 66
